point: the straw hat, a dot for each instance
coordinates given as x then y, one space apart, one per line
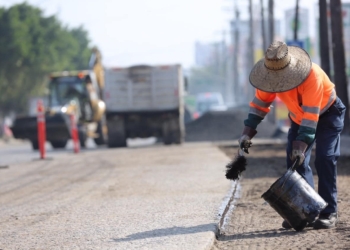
283 68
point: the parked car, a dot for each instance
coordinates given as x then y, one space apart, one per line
209 101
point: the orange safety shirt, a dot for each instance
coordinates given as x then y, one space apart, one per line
305 103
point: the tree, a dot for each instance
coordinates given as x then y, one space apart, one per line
31 46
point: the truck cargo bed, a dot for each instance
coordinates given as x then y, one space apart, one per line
143 88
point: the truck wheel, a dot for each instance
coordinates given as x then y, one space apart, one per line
101 132
82 138
178 138
172 137
167 140
116 133
59 144
167 133
35 145
178 131
172 132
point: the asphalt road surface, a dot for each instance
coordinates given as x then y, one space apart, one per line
140 197
17 151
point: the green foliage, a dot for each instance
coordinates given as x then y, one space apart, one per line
31 46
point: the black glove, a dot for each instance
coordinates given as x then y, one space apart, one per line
298 151
245 140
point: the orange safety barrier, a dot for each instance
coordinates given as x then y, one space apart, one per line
41 128
74 133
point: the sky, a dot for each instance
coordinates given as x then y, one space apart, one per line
152 31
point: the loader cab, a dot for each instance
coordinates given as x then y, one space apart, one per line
68 89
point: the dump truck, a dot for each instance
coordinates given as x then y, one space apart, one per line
145 101
78 93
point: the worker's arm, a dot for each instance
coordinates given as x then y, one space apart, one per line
311 106
259 107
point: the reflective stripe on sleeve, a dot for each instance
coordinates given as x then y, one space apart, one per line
308 123
329 103
312 110
257 112
292 115
261 103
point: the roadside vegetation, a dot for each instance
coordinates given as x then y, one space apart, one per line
31 46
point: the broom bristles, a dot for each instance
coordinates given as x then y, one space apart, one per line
236 167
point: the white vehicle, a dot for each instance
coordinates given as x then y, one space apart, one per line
209 101
144 101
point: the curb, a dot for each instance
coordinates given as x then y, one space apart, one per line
256 141
232 196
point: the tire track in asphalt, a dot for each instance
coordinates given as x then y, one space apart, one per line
44 216
29 173
37 179
32 199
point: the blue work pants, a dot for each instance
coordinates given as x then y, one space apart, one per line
327 141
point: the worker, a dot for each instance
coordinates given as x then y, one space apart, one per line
316 114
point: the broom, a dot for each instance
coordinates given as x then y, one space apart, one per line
235 168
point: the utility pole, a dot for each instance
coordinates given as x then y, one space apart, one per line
340 77
272 115
223 63
251 48
217 58
296 20
251 33
263 25
324 39
271 21
223 53
235 55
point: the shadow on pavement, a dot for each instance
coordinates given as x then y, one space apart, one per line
164 232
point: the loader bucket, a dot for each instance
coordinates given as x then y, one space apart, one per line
57 127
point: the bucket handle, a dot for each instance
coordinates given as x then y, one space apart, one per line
293 168
309 147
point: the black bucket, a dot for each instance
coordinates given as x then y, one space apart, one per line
294 199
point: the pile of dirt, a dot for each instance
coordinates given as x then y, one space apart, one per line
224 125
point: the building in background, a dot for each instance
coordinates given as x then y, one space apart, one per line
302 28
346 36
208 75
207 54
203 53
245 91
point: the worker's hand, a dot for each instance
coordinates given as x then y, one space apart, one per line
245 140
245 143
298 151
